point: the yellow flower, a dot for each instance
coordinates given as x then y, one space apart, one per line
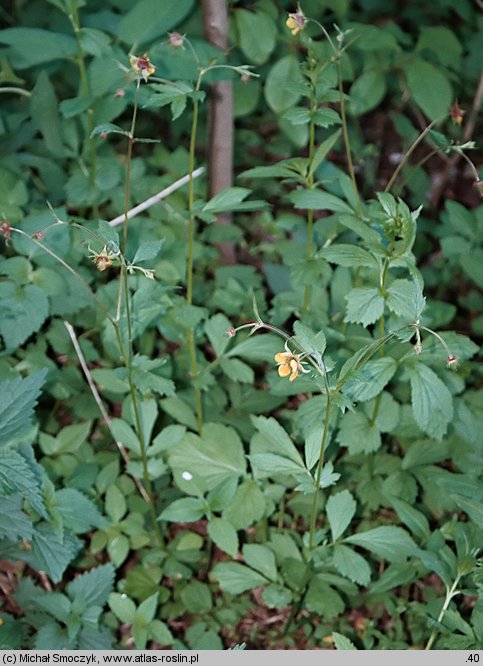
296 22
142 66
289 364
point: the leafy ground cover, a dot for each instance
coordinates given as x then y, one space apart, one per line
248 416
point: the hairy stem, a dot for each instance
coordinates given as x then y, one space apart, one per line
450 593
90 145
191 234
345 134
320 464
310 184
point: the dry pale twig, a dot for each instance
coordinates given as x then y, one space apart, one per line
100 404
156 198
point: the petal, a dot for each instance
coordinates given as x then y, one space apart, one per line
293 375
284 370
281 357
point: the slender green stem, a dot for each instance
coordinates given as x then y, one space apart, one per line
345 134
310 184
323 444
450 593
409 152
90 142
127 353
191 234
382 324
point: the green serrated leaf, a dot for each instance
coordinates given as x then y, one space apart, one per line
351 565
24 310
236 578
224 535
387 541
340 510
431 401
364 306
18 398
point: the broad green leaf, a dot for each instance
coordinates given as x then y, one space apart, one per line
185 510
257 34
149 19
360 228
276 596
326 117
237 371
280 91
122 607
279 440
32 46
282 169
224 535
348 255
196 596
236 578
55 604
364 306
148 250
313 343
357 433
93 587
50 552
95 42
342 643
297 116
160 632
108 128
472 507
405 299
115 504
214 457
340 510
146 610
226 199
414 520
44 109
247 506
14 523
367 91
257 348
52 634
443 44
18 398
118 549
314 199
269 464
430 88
323 150
389 542
369 381
108 234
72 437
125 435
18 476
216 328
24 310
78 513
323 599
351 565
431 401
261 558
